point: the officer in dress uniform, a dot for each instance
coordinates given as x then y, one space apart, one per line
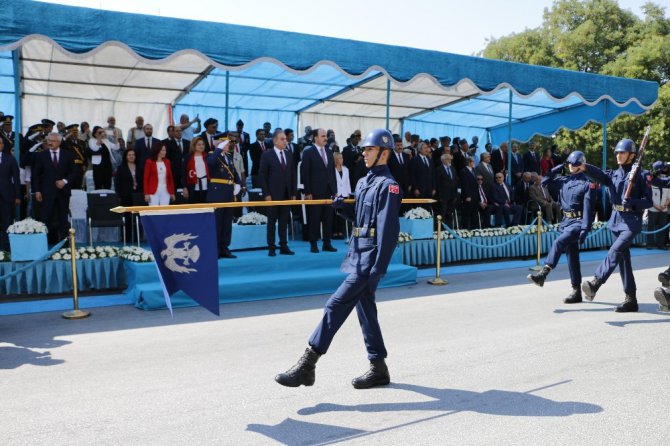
577 198
77 147
374 237
662 293
625 222
223 182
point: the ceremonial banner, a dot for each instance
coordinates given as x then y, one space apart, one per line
185 248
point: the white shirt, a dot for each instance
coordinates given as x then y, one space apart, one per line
162 177
343 183
134 134
280 154
200 172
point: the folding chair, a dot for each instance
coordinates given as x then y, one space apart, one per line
99 214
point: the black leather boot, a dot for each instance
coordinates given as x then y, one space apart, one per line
378 375
538 279
664 278
590 288
629 305
663 297
575 297
302 373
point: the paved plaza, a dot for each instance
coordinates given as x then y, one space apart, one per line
487 360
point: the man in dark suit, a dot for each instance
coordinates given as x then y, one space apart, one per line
503 203
445 141
177 152
277 181
292 147
399 166
256 150
209 134
145 145
445 186
484 203
422 173
78 148
499 158
317 173
469 195
352 154
531 160
461 156
53 175
10 191
522 189
517 165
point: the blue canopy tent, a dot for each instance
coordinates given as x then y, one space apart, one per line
231 72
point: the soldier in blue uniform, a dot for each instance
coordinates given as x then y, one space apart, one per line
577 198
625 222
662 293
374 237
223 179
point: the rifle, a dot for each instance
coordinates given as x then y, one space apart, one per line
635 170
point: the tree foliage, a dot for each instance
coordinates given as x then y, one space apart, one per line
598 36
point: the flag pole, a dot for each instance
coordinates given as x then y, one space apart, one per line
237 204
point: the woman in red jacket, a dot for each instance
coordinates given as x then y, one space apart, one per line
546 163
158 181
196 174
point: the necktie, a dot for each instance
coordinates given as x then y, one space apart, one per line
543 192
148 144
323 156
211 143
55 159
262 146
283 162
181 148
399 155
488 167
448 171
482 195
506 192
425 160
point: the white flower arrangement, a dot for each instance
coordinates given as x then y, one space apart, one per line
489 232
252 218
135 254
599 224
514 230
463 233
404 237
27 226
4 256
417 214
86 253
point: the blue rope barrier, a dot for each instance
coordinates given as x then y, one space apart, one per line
48 254
664 228
499 245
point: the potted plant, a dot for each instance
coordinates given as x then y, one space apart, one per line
417 222
27 240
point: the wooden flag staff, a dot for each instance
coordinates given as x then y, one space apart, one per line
237 204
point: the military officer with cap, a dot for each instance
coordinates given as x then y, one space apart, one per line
374 237
224 184
577 198
72 143
7 133
625 222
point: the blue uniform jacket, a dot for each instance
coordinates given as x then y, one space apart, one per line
219 169
616 182
378 198
577 194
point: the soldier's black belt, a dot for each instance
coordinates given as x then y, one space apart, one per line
363 232
221 181
572 214
618 207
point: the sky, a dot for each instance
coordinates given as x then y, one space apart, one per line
461 26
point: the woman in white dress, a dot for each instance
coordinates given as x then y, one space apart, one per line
343 189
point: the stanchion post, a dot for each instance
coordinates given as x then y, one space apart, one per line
76 313
438 280
537 267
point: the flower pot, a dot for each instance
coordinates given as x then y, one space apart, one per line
27 247
417 228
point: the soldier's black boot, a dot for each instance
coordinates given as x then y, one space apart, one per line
664 278
302 373
663 297
590 288
575 297
378 375
538 279
629 305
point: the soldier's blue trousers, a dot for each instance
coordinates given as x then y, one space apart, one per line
354 292
619 255
568 243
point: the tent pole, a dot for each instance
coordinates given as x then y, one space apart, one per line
509 139
18 124
388 101
227 85
604 165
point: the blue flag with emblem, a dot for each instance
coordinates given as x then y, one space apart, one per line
184 246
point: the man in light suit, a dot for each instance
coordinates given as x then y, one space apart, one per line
53 175
277 181
317 173
485 170
10 192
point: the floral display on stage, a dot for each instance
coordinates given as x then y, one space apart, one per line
252 218
135 254
404 237
418 214
4 256
130 253
27 226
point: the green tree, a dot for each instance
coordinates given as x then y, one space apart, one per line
598 36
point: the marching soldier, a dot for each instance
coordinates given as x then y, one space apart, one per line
75 145
625 222
375 235
662 293
224 184
577 198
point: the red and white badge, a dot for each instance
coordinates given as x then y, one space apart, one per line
394 189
